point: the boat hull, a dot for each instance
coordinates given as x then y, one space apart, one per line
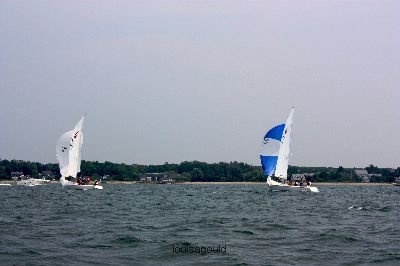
284 187
277 186
82 187
73 185
76 186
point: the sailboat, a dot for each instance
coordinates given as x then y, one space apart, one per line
275 152
68 151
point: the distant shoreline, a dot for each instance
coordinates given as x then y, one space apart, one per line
259 183
351 184
236 183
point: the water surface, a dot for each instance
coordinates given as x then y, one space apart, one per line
141 224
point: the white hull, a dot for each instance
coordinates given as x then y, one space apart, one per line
82 187
276 186
8 185
76 186
285 187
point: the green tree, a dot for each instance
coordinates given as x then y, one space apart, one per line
372 169
197 174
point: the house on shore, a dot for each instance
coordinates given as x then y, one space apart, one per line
159 178
364 175
47 175
16 175
301 177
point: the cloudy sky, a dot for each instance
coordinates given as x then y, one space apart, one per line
169 81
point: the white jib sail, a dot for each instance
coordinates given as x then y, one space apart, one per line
62 152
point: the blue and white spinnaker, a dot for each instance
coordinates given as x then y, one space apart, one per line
275 149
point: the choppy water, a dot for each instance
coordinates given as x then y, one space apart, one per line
142 224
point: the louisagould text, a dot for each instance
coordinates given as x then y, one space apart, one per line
201 250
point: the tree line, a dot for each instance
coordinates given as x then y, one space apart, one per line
196 171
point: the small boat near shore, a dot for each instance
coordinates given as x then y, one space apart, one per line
274 156
31 182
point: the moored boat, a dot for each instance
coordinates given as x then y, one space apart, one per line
31 182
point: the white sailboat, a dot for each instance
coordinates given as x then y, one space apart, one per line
275 152
68 151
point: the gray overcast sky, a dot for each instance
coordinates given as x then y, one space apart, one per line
169 81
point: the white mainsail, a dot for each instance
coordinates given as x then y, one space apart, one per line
68 151
76 148
284 151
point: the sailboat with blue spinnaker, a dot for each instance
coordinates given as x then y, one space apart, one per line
274 156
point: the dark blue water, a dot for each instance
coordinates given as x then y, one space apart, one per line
142 224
